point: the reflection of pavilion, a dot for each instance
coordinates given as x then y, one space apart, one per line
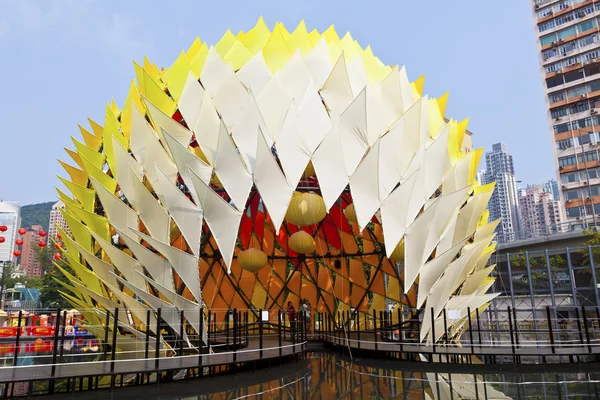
276 168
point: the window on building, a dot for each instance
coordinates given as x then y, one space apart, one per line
566 161
565 33
546 25
549 53
563 19
588 156
573 76
564 144
577 91
548 39
586 26
559 112
556 97
581 123
578 107
571 177
592 70
560 128
554 81
585 139
572 194
574 211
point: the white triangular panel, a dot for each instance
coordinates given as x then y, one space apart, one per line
337 91
274 190
255 74
230 98
185 264
469 215
328 162
390 151
313 120
186 215
295 77
357 75
191 100
318 62
222 219
124 166
207 129
231 170
353 132
394 219
139 131
138 309
119 214
214 71
364 186
246 130
291 149
184 158
158 267
155 217
101 268
273 103
163 121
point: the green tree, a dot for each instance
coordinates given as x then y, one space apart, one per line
537 264
594 241
44 256
50 297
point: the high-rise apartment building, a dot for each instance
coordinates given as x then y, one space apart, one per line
504 202
551 187
10 215
540 213
29 262
569 52
56 219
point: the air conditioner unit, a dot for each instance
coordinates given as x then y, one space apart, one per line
561 168
593 111
557 118
582 96
537 6
585 183
578 218
554 42
560 40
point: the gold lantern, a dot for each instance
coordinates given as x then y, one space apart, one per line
398 253
350 213
306 209
252 260
302 242
309 171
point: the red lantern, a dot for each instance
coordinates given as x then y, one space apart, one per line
58 245
2 239
3 228
41 243
58 235
19 242
17 253
22 231
42 233
57 256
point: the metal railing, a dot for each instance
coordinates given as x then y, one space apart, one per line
549 230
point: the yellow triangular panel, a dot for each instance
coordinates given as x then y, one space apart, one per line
197 63
80 232
93 156
96 173
78 176
176 76
90 140
74 156
255 38
237 56
276 52
226 43
85 196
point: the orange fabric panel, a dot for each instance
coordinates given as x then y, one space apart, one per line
204 266
294 298
280 267
246 283
357 273
371 259
357 294
321 245
268 242
342 289
209 291
349 242
324 280
309 291
264 274
226 290
309 269
388 266
259 296
236 270
294 283
377 284
329 300
368 246
238 303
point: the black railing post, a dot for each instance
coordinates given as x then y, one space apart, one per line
585 327
514 310
18 339
147 349
55 349
208 329
446 328
235 334
227 315
62 337
358 328
432 331
579 325
157 350
201 341
400 326
510 326
181 333
279 318
478 326
470 330
113 354
375 329
260 332
550 333
106 330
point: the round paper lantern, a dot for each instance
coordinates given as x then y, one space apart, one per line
398 253
57 256
350 213
2 239
19 242
41 243
3 228
42 233
58 236
17 253
302 242
306 209
22 231
58 245
252 260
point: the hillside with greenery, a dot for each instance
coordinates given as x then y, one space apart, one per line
36 214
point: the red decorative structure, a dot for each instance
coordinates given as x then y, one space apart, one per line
22 231
3 228
17 253
42 233
19 242
41 243
2 239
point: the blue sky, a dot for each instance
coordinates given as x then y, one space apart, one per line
63 59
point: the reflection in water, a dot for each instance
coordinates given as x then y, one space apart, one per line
328 376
